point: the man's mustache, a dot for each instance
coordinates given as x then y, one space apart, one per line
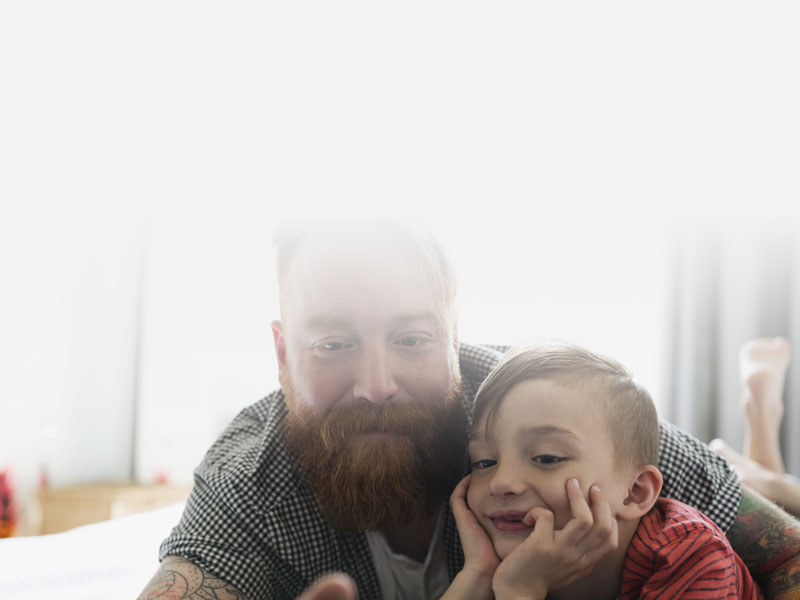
397 419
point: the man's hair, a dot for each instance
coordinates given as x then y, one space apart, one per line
631 416
434 261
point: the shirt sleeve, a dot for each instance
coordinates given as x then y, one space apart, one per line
697 476
696 566
224 529
218 540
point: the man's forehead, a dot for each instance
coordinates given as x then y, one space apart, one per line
337 320
384 273
322 266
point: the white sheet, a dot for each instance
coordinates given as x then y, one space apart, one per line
108 560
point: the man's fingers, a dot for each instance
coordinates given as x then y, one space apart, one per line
336 586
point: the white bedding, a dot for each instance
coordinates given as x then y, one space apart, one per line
108 560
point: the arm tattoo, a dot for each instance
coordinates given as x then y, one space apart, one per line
768 541
179 579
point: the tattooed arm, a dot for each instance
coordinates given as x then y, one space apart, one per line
768 541
179 579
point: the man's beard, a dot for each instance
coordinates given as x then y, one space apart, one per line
376 465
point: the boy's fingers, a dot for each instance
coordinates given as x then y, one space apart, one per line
582 518
541 520
458 499
603 535
466 522
604 530
461 489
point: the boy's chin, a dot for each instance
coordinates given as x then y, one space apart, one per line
505 547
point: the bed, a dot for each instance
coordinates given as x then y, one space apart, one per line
108 560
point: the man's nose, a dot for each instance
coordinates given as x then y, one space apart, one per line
505 480
375 381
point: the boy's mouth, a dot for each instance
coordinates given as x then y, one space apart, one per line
509 521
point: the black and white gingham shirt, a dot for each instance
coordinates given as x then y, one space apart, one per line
251 521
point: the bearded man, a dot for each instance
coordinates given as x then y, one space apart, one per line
348 467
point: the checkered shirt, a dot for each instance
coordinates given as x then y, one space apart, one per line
251 521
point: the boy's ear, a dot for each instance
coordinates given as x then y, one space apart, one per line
642 493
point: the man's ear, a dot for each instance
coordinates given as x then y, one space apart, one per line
280 345
642 493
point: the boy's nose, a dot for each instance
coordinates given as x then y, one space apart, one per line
505 481
375 381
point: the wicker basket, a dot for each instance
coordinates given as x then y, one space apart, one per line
65 508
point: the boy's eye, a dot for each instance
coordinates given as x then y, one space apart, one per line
548 459
484 463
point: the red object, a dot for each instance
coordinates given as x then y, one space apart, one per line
677 552
44 480
8 509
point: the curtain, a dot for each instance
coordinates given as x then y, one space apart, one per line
730 284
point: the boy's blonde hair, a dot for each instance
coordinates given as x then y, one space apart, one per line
632 419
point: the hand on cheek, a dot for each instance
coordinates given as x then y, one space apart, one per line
550 559
479 554
474 581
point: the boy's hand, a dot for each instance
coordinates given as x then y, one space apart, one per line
548 559
480 559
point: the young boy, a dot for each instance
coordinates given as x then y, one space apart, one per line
553 424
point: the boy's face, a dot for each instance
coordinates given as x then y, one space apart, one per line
543 435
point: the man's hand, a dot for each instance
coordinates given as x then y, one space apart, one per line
551 559
336 586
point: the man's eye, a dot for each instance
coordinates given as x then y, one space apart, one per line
411 341
332 346
548 459
484 463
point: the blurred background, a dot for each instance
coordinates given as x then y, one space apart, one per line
624 177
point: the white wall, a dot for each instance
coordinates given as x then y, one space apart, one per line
68 349
208 300
548 273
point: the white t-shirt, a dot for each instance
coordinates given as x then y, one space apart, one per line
403 578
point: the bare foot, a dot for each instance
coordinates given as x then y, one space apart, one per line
762 368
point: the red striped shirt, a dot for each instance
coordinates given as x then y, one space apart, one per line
678 552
